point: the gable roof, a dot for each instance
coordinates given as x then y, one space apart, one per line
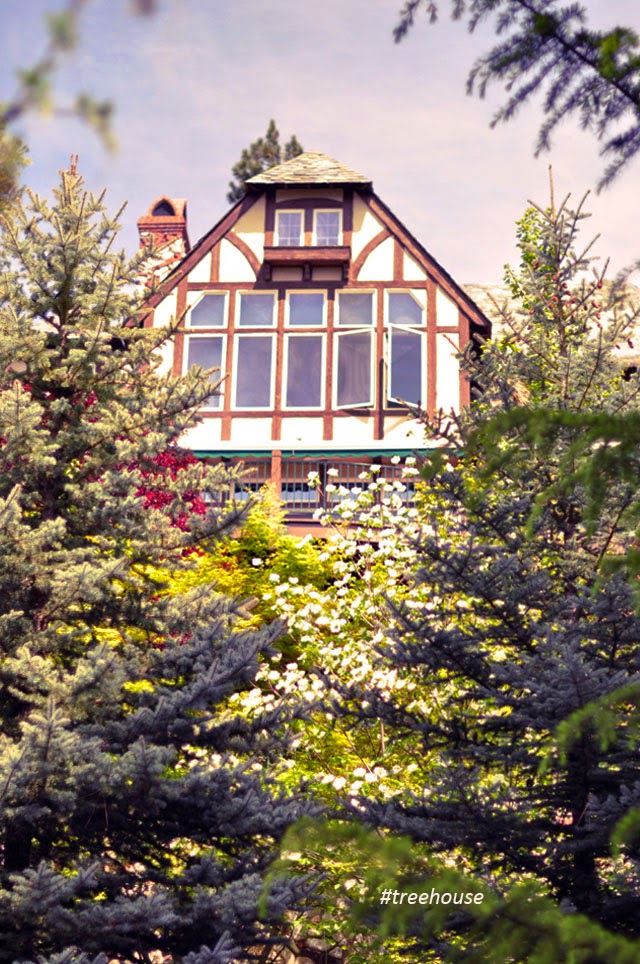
310 167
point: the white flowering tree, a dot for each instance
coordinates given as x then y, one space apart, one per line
338 631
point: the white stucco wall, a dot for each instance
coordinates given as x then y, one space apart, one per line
405 433
165 312
365 227
379 264
233 264
411 270
351 430
250 228
251 432
448 372
202 271
301 432
204 435
447 311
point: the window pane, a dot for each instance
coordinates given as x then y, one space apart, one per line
306 309
404 309
207 352
289 228
256 310
304 371
253 372
328 227
354 369
355 308
406 366
208 313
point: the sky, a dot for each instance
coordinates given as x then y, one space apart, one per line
197 81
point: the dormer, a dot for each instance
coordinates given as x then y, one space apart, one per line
306 231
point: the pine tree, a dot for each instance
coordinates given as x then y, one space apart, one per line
134 818
262 154
547 46
523 628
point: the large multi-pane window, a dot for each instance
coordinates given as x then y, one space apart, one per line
210 311
253 353
303 371
301 349
354 350
354 369
290 228
305 308
253 371
405 348
256 309
207 351
354 308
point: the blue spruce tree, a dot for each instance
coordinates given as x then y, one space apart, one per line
133 822
524 629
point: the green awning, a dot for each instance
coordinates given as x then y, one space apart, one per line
314 453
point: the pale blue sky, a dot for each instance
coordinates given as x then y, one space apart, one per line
199 80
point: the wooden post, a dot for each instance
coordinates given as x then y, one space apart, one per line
276 474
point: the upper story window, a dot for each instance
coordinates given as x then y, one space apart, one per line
406 348
303 371
209 312
354 350
404 309
256 309
253 371
355 308
305 308
327 227
207 351
289 228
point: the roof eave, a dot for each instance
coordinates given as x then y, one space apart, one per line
263 185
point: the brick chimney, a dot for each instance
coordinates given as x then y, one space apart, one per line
165 223
164 227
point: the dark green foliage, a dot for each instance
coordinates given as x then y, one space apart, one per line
132 818
523 629
546 47
262 154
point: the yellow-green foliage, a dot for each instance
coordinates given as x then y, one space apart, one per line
241 566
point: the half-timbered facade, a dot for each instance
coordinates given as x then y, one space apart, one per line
326 320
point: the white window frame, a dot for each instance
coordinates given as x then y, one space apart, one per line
274 314
318 211
266 333
215 333
372 366
405 291
416 329
306 291
201 295
356 291
278 240
323 370
408 329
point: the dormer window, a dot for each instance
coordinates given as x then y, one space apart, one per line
327 228
289 227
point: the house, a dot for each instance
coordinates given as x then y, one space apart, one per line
328 322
